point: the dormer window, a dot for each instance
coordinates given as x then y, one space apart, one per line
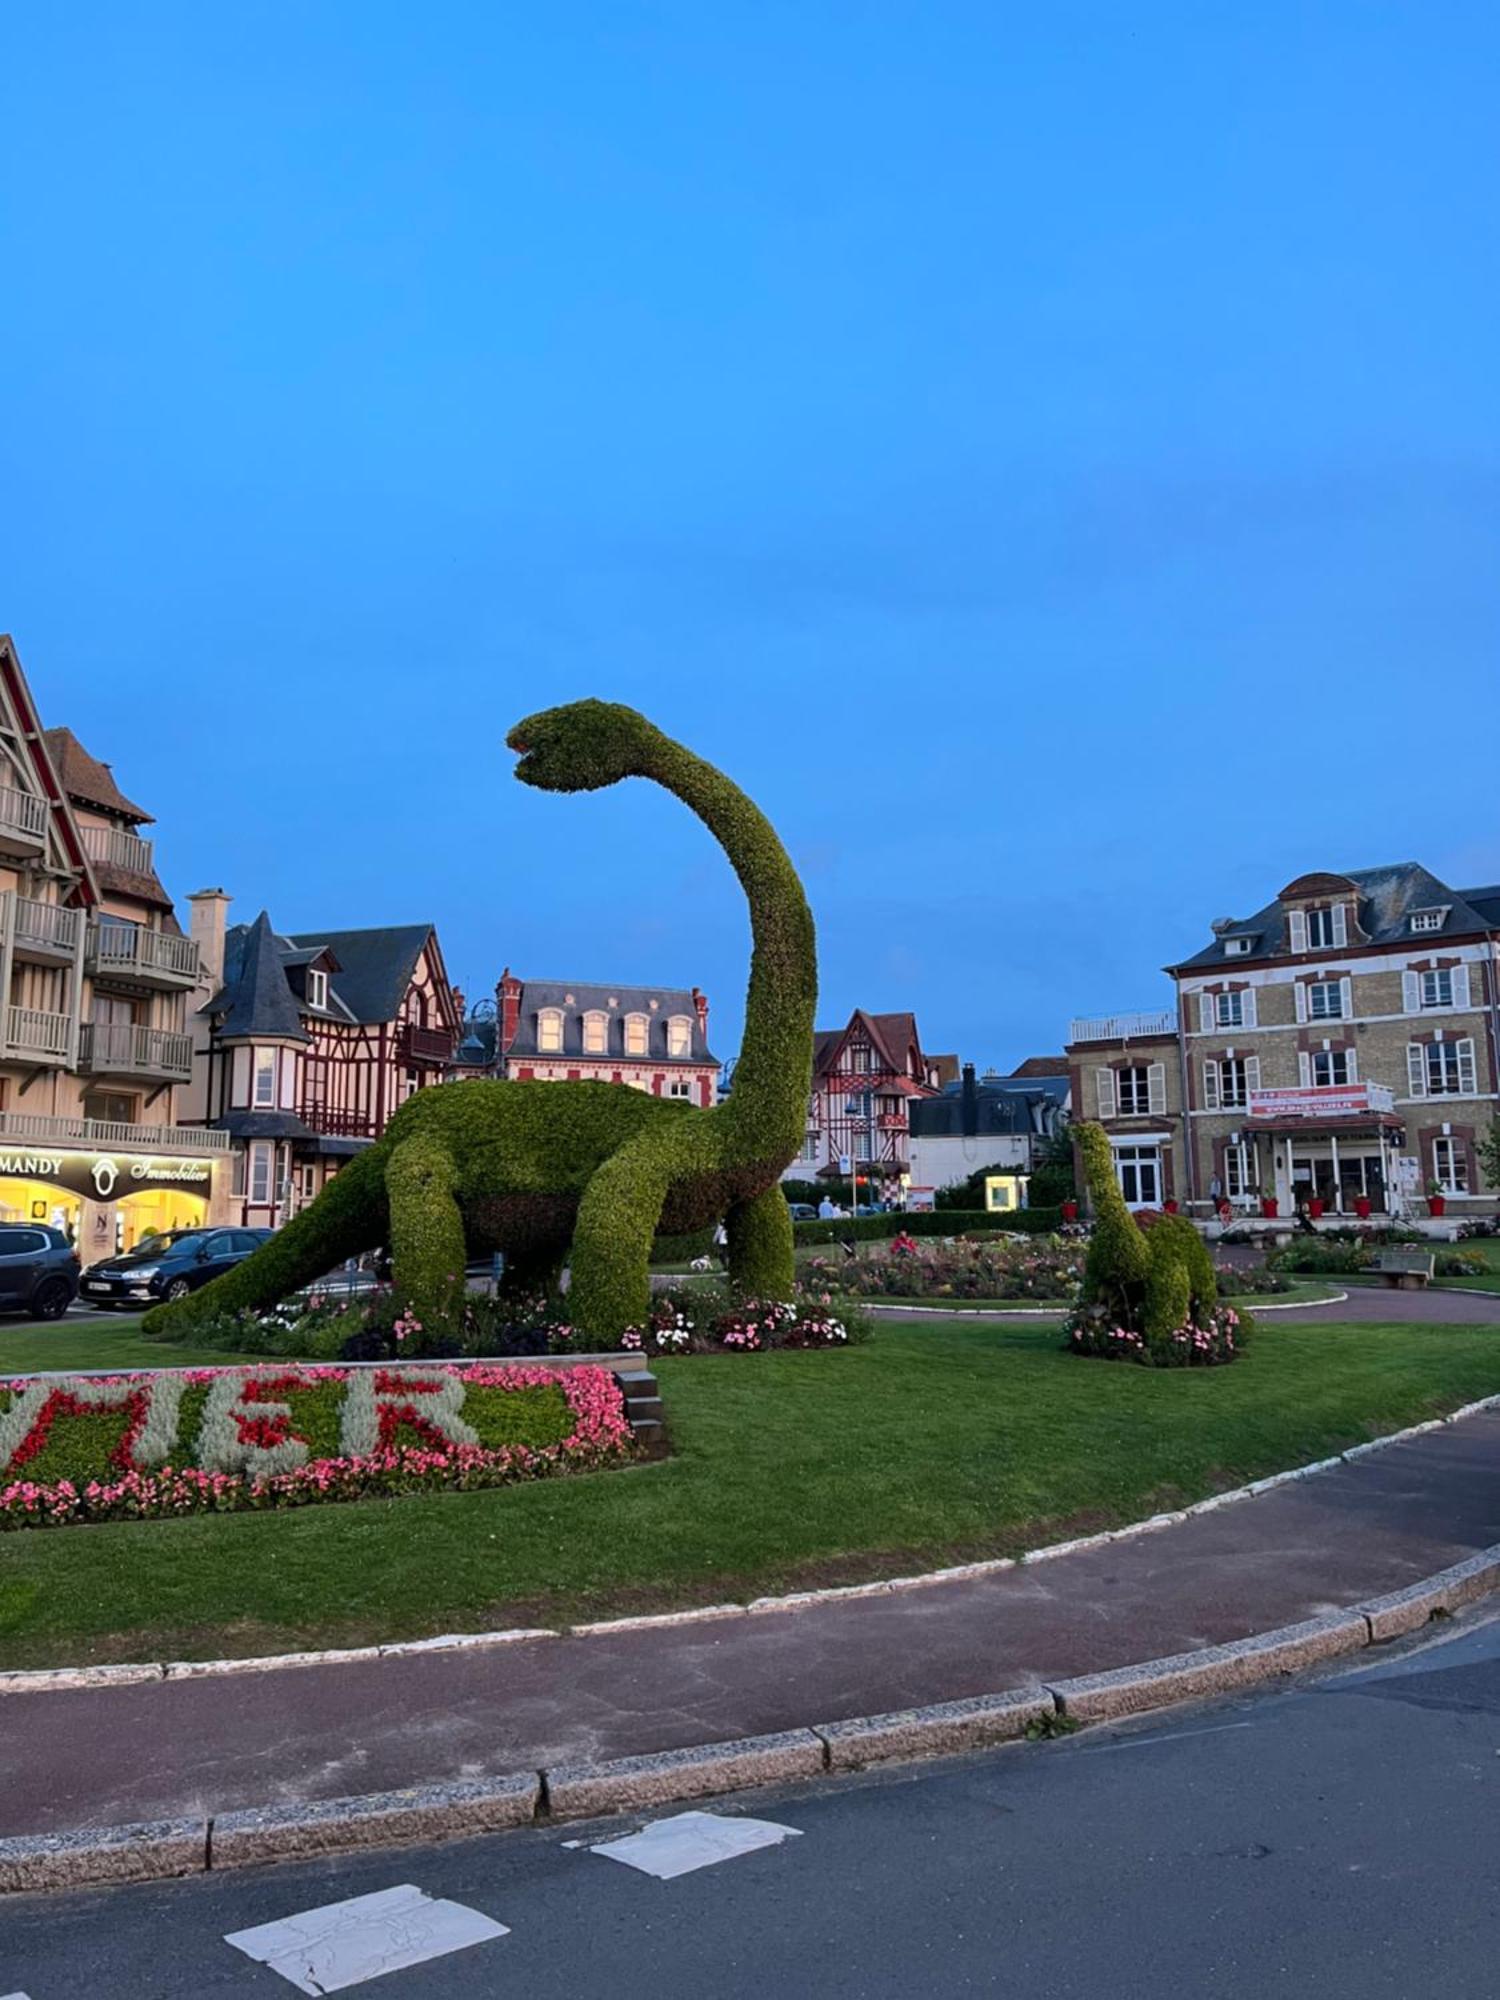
1236 947
637 1029
595 1034
317 988
679 1036
549 1031
1325 927
1427 920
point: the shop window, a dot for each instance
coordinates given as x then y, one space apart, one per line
1450 1165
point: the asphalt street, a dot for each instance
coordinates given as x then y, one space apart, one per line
1336 1838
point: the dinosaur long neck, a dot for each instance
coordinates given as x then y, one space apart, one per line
773 1076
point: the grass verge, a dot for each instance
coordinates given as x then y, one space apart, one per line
930 1444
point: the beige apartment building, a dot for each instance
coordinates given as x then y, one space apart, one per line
1341 1046
97 980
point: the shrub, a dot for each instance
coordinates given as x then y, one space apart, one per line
925 1222
1219 1339
1255 1278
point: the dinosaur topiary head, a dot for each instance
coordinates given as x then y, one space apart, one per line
584 746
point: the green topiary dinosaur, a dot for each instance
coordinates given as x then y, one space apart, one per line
532 1169
1154 1280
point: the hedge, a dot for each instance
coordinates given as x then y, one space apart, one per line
929 1222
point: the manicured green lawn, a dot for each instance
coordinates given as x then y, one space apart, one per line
930 1444
98 1343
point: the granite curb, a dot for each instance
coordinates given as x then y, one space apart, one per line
158 1849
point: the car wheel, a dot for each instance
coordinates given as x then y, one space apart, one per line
178 1289
52 1299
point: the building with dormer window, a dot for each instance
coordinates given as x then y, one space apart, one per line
1340 1048
865 1077
651 1038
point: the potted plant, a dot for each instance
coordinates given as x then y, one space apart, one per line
1070 1211
1362 1207
1314 1207
1437 1201
1169 1206
1269 1207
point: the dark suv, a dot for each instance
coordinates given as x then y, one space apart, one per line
169 1266
38 1270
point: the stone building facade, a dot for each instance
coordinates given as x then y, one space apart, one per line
1341 1048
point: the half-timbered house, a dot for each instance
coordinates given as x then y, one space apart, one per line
309 1042
865 1076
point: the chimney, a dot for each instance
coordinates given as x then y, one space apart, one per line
970 1103
700 1002
508 1001
210 909
458 1003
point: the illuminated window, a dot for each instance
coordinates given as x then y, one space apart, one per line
679 1036
595 1034
549 1031
637 1027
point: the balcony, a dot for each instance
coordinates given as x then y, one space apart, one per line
335 1123
23 823
423 1045
40 933
120 1048
107 1135
1124 1027
892 1121
134 956
32 1036
118 849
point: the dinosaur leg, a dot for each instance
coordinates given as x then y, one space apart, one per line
761 1264
427 1228
610 1263
347 1217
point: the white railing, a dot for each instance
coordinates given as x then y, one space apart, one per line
1124 1027
120 850
30 1032
109 1135
43 924
135 1051
21 813
132 949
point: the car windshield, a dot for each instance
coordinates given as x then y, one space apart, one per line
169 1239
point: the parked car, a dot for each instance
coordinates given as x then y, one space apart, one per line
38 1270
802 1211
169 1266
357 1277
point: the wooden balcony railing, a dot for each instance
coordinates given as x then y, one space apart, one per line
424 1045
43 927
30 1032
22 816
131 951
121 1048
118 849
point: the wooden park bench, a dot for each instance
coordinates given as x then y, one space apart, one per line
1408 1269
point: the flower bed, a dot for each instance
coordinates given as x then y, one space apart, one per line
111 1447
1208 1345
706 1322
1028 1269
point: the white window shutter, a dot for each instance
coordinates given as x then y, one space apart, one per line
1346 997
1304 1069
1156 1089
1248 997
1296 923
1211 1086
1411 992
1300 987
1252 1075
1340 924
1206 1012
1104 1081
1466 1066
1460 986
1351 1065
1416 1069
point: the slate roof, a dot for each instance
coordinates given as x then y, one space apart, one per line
574 998
262 1125
1000 1108
255 998
891 1035
88 781
374 966
1486 902
1387 898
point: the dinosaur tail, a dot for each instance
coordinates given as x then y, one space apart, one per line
349 1216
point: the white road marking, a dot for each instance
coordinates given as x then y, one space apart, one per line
1166 1736
342 1944
692 1840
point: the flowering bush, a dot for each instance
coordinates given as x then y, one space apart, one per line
1251 1278
99 1448
1019 1268
1217 1339
706 1322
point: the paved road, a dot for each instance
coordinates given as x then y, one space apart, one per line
1375 1304
1337 1839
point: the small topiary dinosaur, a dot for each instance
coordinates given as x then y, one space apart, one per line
1154 1280
590 1171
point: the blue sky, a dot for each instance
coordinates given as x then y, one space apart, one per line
1047 454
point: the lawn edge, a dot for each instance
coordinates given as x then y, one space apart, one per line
211 1842
48 1680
